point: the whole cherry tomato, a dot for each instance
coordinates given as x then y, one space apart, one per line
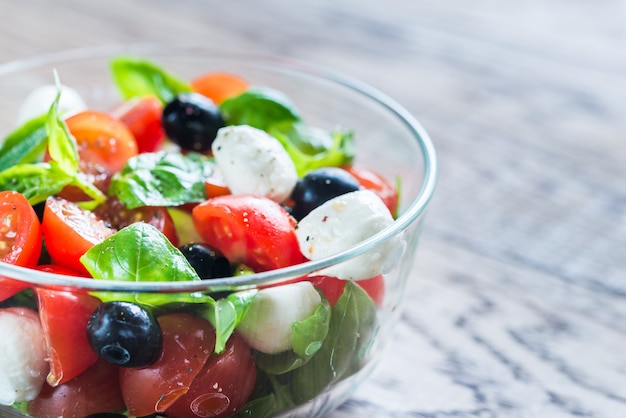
142 116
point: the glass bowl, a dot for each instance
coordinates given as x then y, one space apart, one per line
387 139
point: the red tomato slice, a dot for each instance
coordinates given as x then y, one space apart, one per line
142 116
222 387
64 316
69 231
188 341
20 238
102 140
373 181
115 214
219 86
94 391
252 230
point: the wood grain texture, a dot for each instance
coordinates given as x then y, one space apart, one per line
517 307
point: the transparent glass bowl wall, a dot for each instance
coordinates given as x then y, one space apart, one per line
387 138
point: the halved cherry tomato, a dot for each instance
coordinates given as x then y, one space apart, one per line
115 214
371 180
219 86
188 341
69 231
222 387
251 230
102 140
142 115
215 185
20 230
20 238
64 316
94 391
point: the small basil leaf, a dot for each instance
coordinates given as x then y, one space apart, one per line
61 145
25 144
35 181
140 253
137 77
225 314
307 338
311 148
162 179
259 107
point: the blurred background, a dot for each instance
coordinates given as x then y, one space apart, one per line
517 307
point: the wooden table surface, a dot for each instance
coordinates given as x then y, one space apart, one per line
517 307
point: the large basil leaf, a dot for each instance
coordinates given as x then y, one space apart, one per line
61 145
35 181
312 148
162 179
352 327
307 337
259 107
139 253
25 144
136 77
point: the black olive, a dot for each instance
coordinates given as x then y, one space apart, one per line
207 261
318 186
192 121
125 334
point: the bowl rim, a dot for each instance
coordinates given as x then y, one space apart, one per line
407 218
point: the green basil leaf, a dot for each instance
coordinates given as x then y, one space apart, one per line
162 179
259 107
352 327
35 181
61 145
307 336
139 253
225 314
25 144
136 77
311 148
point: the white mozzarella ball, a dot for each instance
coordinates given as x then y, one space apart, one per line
254 162
39 100
23 364
343 222
269 319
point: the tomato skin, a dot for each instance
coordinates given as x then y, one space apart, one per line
69 231
102 140
251 230
222 387
64 316
115 214
142 116
94 391
188 341
219 86
371 180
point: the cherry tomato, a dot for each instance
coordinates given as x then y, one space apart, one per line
369 179
215 185
69 231
188 341
219 86
64 317
333 287
20 238
222 387
142 116
20 230
250 230
116 215
94 391
102 140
